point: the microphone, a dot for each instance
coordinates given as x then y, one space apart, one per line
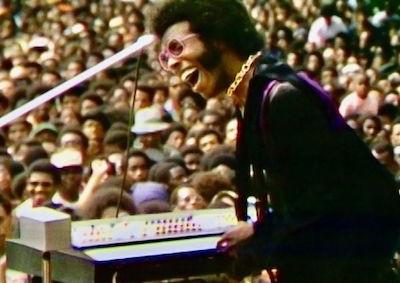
142 43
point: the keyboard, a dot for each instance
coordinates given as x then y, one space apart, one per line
154 249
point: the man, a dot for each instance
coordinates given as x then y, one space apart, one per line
46 133
395 133
208 139
94 125
176 89
191 155
211 119
16 132
148 128
185 197
42 181
170 173
333 209
362 100
73 137
138 166
89 101
384 153
69 162
71 98
326 27
150 197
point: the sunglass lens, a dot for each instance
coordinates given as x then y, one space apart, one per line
175 47
163 58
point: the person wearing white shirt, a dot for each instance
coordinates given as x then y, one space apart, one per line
362 100
326 27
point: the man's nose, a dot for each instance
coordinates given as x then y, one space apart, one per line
173 64
40 188
20 134
140 173
195 199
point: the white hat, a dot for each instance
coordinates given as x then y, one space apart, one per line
66 157
396 150
351 68
39 41
149 120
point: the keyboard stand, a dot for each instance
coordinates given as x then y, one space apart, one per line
74 266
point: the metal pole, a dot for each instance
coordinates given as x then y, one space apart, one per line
46 267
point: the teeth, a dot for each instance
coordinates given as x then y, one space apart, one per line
186 74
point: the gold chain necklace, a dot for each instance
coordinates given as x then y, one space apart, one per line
242 73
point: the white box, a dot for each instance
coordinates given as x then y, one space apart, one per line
45 229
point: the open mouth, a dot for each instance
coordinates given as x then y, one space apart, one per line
39 200
191 76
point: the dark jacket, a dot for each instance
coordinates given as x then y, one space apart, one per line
332 204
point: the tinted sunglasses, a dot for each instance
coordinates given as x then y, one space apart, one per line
174 49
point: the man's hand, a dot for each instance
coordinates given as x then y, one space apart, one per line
99 167
242 231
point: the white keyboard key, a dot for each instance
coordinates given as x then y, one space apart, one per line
153 249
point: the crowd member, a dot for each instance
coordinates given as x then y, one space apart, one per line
371 127
150 197
5 225
326 27
361 100
46 134
89 101
6 177
73 137
176 88
223 164
71 99
22 151
69 161
231 132
16 133
104 203
212 119
383 152
395 133
208 139
94 125
186 197
138 165
100 172
173 139
190 116
169 173
191 155
149 125
42 182
223 199
115 141
208 184
144 96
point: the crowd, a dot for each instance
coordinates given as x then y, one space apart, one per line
73 152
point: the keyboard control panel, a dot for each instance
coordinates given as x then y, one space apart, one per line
147 227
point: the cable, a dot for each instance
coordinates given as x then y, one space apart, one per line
130 124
